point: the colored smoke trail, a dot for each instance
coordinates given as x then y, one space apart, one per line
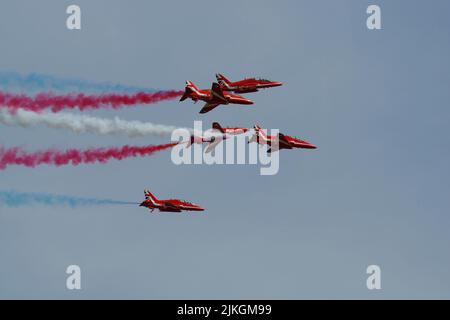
34 82
81 101
17 199
18 156
84 124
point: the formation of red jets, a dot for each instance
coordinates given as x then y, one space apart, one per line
223 92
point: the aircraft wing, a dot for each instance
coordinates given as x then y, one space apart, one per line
282 140
212 145
208 107
217 92
281 136
171 206
254 138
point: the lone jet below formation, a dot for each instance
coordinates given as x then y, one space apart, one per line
169 205
213 97
246 85
284 141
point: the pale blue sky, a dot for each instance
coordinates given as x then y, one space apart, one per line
374 192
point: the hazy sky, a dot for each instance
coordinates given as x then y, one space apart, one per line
376 191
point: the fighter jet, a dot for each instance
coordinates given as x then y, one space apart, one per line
284 141
213 97
215 136
235 130
169 205
246 85
212 141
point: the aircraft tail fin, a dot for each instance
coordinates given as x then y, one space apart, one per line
149 196
217 126
259 131
222 80
188 90
191 85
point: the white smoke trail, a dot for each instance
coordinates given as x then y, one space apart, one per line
84 124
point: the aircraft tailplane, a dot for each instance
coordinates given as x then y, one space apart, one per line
217 92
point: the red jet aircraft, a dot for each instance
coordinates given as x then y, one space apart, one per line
284 141
246 85
213 97
214 139
169 205
228 130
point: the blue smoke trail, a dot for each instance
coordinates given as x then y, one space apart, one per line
13 81
17 199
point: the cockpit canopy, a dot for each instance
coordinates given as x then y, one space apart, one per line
259 79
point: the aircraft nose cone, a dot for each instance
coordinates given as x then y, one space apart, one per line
277 84
309 146
198 208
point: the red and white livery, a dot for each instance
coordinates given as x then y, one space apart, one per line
211 140
213 97
168 205
214 136
284 141
228 130
246 85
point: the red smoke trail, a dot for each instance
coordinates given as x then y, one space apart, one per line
17 156
81 101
